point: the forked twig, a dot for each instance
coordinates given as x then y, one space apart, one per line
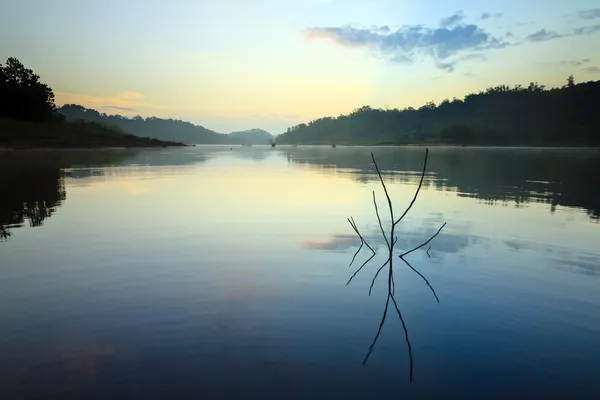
362 242
424 244
376 274
390 244
421 275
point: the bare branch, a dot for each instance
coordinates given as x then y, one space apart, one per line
417 191
391 243
358 270
359 235
422 276
387 302
410 355
355 254
427 252
376 275
424 244
384 188
379 220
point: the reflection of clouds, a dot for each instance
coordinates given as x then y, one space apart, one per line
445 242
561 257
337 242
64 368
587 264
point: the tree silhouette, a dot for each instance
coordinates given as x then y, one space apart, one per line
22 95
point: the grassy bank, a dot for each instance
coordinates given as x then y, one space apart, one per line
16 134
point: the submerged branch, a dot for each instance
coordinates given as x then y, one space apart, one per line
362 242
410 355
387 303
379 220
424 244
422 276
417 191
391 243
384 189
358 270
377 274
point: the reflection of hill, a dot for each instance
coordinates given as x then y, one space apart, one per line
562 177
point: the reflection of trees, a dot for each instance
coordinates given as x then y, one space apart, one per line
568 178
33 184
30 192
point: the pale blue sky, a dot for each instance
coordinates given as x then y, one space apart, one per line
237 64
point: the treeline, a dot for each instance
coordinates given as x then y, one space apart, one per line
165 129
30 118
500 115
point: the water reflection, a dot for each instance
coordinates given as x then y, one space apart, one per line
452 241
559 177
31 191
33 184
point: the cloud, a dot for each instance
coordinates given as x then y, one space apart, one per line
119 108
591 70
574 63
127 102
487 15
452 20
589 14
586 30
449 65
413 41
543 35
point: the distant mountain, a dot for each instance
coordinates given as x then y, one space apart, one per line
158 128
251 136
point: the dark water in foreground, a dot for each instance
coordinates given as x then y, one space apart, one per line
214 273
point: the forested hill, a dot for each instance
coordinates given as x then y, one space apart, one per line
163 129
252 136
500 115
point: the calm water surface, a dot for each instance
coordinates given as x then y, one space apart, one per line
214 273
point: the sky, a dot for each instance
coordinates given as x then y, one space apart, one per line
240 64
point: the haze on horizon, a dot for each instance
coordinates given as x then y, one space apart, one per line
233 64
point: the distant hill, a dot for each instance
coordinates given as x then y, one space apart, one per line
501 115
251 136
15 134
158 128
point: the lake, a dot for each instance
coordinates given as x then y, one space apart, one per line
218 272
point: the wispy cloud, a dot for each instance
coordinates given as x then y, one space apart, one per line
574 63
487 15
126 102
586 30
409 42
452 20
542 35
591 70
589 14
118 108
450 65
